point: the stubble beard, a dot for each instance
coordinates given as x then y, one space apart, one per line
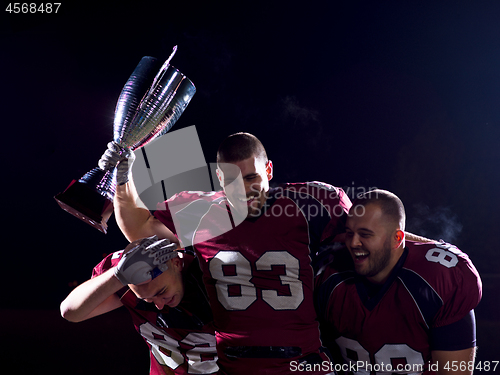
379 262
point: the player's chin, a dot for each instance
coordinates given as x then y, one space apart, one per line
255 209
173 302
254 212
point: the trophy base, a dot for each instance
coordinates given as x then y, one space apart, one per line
86 204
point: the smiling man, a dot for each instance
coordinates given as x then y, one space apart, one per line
390 306
244 172
165 297
369 236
255 245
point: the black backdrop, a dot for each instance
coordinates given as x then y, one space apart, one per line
358 94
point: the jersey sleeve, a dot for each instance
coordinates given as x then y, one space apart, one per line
325 206
108 262
338 205
452 276
455 336
466 293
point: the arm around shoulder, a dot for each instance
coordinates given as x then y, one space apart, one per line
416 238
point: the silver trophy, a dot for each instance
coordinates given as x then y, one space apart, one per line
150 103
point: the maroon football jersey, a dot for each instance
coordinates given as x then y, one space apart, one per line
181 340
258 272
391 328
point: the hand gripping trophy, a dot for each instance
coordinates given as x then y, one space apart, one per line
150 103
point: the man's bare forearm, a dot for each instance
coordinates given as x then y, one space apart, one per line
133 219
94 297
130 217
415 238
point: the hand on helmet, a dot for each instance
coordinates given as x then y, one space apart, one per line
145 260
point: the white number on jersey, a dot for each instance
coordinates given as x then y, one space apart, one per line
167 350
390 359
443 254
241 275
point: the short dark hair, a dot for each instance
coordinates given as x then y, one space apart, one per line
240 146
389 203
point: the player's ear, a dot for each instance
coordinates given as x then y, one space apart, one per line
176 263
399 237
269 170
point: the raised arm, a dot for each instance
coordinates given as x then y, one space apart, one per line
134 220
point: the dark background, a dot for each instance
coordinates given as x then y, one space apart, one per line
359 94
